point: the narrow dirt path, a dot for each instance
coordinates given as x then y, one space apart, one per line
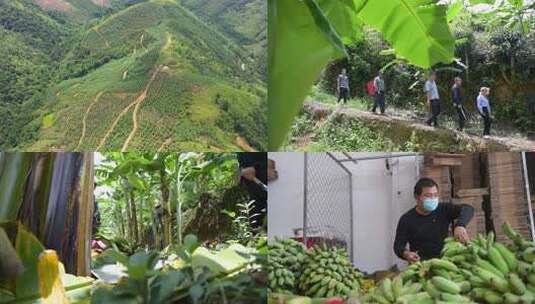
84 120
244 145
166 143
321 111
138 103
114 124
102 37
141 40
125 110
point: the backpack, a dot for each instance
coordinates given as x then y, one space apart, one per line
370 88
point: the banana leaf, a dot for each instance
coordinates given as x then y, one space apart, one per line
10 264
454 10
85 216
15 169
226 261
68 204
301 43
25 288
34 206
305 35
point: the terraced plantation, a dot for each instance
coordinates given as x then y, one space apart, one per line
153 76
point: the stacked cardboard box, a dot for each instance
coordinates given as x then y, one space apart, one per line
464 179
468 174
508 197
474 198
439 167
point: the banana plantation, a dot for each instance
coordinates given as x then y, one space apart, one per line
129 228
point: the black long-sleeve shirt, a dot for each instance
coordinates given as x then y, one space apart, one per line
426 233
258 160
457 95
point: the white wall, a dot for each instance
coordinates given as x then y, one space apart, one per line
285 198
380 197
372 210
381 194
405 174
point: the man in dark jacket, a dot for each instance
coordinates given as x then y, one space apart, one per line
426 226
458 101
253 168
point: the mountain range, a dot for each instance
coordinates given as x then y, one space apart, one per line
122 75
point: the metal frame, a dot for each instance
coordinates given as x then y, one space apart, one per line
528 195
349 159
305 195
341 162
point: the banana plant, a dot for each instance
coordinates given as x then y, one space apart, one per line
138 179
189 168
51 195
43 279
305 35
514 15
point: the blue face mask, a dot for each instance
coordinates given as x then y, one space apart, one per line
430 204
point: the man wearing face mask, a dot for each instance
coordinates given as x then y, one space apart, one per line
425 226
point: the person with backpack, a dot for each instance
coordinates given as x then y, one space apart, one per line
379 85
433 99
458 101
483 107
343 86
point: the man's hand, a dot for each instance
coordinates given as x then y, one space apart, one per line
461 234
248 173
411 257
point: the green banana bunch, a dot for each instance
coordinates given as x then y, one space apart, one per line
483 270
285 261
328 273
395 291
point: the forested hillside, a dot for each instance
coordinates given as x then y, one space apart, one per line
245 21
32 44
135 75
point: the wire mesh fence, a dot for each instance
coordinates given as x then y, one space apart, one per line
328 213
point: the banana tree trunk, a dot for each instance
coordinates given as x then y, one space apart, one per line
14 171
69 215
178 189
34 210
52 195
134 216
128 210
85 216
165 204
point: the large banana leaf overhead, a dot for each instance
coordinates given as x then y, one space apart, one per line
416 29
301 43
304 35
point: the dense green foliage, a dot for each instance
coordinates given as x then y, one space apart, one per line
339 133
174 203
31 45
244 21
495 57
311 33
406 38
138 75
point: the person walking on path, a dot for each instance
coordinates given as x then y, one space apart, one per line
343 86
433 99
458 101
483 107
379 85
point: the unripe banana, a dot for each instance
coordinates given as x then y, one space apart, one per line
497 260
446 285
